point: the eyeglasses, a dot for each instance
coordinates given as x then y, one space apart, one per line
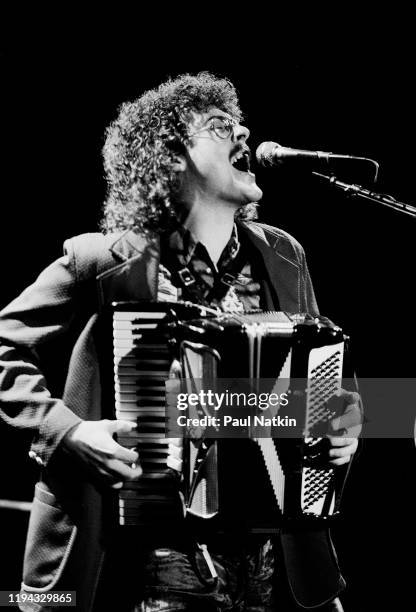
223 127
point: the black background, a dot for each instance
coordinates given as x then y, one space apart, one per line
313 85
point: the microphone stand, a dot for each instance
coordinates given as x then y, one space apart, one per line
366 194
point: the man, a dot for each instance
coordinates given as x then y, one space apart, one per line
178 225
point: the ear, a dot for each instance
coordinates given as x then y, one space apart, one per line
179 163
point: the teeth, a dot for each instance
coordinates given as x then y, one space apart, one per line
237 156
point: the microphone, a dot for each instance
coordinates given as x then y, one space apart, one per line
270 154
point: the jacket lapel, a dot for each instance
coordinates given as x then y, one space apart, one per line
284 273
135 277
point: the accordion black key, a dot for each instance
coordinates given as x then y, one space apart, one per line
258 482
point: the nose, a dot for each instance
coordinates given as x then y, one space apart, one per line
240 132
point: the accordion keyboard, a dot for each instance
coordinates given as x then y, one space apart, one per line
141 367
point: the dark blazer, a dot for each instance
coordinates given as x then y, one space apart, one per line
54 318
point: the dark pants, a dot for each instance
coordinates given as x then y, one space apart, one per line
177 577
177 580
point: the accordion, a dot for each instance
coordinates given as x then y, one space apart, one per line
256 481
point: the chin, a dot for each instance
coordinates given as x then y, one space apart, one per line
253 195
259 194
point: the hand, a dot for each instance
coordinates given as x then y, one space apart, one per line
92 442
341 449
346 429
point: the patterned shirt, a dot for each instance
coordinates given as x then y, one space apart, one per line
188 273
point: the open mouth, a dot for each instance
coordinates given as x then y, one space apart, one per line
241 160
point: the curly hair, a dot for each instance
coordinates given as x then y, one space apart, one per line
141 145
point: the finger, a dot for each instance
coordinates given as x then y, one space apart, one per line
108 465
115 473
113 450
121 427
344 451
335 441
123 471
351 397
339 461
108 477
351 432
128 455
354 432
350 418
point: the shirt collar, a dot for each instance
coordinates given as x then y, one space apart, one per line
183 243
